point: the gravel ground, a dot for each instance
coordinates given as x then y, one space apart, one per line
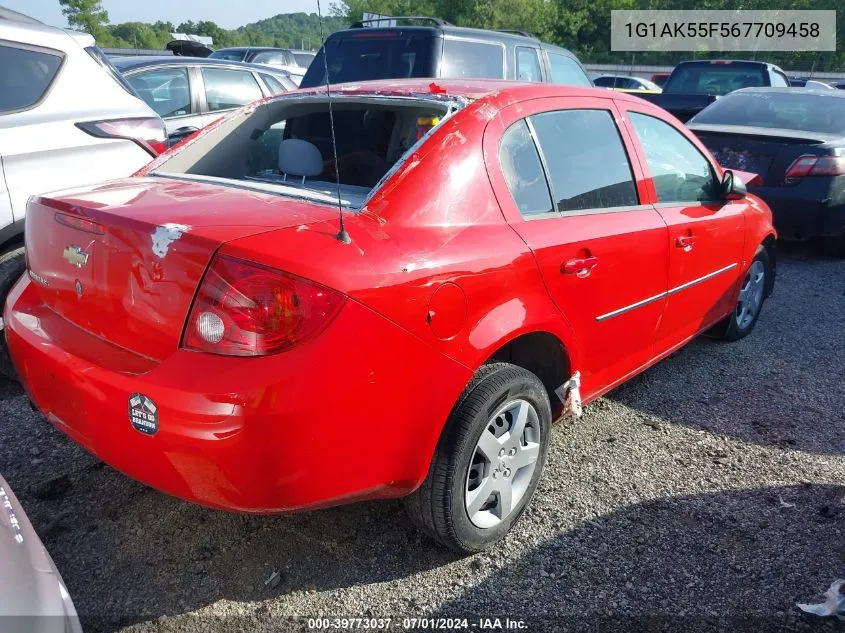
706 494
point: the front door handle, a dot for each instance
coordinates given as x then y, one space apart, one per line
580 266
685 242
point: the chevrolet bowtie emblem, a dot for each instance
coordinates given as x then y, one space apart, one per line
75 256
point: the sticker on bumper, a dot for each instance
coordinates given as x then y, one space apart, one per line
143 414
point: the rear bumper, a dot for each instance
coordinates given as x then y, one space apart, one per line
805 211
352 414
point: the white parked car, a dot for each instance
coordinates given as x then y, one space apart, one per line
281 58
623 82
67 118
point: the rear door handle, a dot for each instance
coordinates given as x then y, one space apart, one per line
580 266
685 242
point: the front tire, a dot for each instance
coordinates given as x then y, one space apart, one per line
834 246
752 296
488 461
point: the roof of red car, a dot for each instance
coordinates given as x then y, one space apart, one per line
468 88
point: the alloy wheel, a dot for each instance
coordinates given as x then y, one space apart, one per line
751 295
503 464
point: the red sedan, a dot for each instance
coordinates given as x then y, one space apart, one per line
507 251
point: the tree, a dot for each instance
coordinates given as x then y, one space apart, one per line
88 15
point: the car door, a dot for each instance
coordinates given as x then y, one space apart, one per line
601 252
167 90
706 233
224 89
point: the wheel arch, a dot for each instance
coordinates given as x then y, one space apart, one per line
12 235
541 352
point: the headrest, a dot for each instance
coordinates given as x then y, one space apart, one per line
300 158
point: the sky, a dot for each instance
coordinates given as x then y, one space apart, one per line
226 13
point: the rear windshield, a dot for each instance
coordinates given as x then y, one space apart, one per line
373 55
714 79
285 146
229 56
784 110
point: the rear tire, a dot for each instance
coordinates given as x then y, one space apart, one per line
834 246
12 266
752 296
488 461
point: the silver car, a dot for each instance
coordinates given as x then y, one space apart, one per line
67 118
33 597
191 92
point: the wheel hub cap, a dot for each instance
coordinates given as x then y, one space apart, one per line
503 464
751 295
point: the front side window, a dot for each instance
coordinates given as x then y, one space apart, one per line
165 90
226 89
587 163
527 64
25 76
463 59
680 172
566 71
523 170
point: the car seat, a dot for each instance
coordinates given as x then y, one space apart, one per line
300 159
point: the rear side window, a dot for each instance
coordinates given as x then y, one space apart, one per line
523 170
165 90
226 89
586 159
25 76
527 64
566 71
273 84
464 59
680 172
376 55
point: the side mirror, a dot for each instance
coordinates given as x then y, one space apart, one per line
732 187
177 136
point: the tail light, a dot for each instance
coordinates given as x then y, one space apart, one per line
148 132
244 309
809 165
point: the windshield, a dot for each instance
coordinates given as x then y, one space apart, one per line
373 55
807 112
714 79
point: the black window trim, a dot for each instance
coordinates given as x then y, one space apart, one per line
647 169
36 49
556 212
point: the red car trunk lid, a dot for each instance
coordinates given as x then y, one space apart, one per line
123 261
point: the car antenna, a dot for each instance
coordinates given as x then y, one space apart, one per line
342 235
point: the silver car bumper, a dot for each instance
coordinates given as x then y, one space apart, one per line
33 596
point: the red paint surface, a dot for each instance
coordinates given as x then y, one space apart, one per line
442 271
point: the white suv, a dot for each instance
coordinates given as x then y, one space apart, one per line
67 118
